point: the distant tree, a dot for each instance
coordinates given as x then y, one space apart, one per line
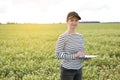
90 22
60 22
11 23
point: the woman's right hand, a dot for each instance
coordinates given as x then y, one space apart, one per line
80 54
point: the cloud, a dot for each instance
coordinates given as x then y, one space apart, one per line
2 10
50 11
3 6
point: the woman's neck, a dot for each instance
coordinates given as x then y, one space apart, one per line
71 31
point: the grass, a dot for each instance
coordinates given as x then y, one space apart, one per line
27 51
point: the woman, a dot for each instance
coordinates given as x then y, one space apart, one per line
70 49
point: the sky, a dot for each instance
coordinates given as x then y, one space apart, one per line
55 11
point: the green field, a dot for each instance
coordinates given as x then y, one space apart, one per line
27 51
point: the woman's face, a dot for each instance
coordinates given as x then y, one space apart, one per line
73 22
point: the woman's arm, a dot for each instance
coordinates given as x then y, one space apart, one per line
60 52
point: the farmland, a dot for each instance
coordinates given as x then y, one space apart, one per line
27 51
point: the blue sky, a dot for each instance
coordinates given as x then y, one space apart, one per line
55 11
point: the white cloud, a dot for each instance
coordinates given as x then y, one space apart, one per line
50 11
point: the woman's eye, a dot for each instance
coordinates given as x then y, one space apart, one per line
76 20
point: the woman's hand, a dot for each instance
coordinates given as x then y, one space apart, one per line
80 53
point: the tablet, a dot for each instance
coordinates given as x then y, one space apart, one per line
90 56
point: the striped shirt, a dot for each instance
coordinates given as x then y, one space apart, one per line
66 47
